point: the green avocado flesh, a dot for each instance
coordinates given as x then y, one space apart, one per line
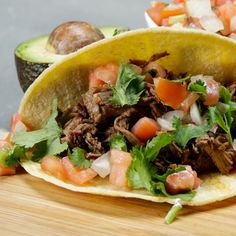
34 50
32 57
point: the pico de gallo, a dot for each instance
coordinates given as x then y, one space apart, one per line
216 16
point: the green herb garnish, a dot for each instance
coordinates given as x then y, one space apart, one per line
172 213
118 142
129 86
142 173
198 87
184 133
78 159
46 141
11 156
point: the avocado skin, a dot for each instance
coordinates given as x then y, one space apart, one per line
28 71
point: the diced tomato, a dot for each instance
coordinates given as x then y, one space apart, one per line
4 143
145 128
155 12
213 3
220 2
103 74
16 126
179 182
182 181
167 12
154 66
170 93
120 162
197 181
165 22
188 102
225 13
213 92
53 166
179 1
7 170
76 175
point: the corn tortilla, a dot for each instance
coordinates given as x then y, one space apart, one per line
192 51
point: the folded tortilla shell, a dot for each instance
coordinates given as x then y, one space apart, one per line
195 52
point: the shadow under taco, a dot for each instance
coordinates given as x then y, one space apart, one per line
156 103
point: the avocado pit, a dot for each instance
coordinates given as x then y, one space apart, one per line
71 36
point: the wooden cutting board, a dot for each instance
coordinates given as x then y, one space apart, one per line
30 206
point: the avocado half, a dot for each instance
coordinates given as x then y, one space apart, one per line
32 57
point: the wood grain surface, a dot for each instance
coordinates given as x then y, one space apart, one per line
30 206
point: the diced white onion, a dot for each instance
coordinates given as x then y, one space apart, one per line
177 26
203 78
165 125
174 6
3 134
234 144
233 24
195 115
167 119
150 23
199 8
170 115
19 127
232 36
102 165
211 23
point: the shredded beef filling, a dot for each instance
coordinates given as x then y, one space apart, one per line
91 124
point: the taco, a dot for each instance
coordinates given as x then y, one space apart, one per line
148 114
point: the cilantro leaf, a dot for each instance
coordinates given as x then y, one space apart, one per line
223 120
129 86
160 188
198 87
78 159
225 94
11 156
187 77
162 178
184 133
118 142
140 171
40 150
118 31
153 147
50 133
